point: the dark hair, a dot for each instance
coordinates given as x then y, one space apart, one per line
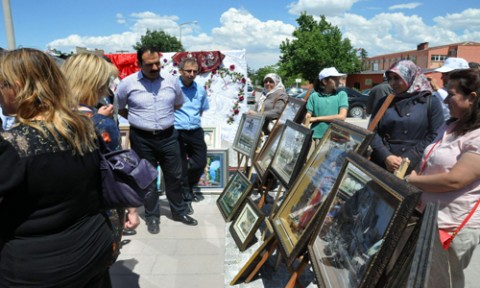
318 85
143 49
474 65
467 81
186 60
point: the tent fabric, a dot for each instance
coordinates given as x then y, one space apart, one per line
207 60
126 63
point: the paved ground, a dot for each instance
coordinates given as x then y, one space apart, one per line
204 256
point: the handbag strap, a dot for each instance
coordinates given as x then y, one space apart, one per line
380 112
465 220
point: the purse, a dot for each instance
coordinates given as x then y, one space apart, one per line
447 238
125 177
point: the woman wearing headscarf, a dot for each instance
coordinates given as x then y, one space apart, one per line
411 120
273 100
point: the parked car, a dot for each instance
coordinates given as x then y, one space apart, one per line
294 91
250 94
357 102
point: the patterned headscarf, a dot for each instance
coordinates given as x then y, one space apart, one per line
411 75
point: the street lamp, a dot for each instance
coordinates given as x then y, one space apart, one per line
183 24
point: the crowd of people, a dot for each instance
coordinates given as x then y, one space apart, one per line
50 177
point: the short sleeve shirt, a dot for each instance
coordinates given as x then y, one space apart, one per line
195 97
150 103
455 205
320 104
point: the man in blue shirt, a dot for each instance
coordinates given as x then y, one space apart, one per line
152 100
190 132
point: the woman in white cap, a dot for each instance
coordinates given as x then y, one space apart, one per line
272 101
326 104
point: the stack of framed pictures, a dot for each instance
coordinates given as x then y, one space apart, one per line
294 111
359 228
294 221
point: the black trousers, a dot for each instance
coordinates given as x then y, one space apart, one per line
161 149
194 159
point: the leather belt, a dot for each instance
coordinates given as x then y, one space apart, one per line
162 133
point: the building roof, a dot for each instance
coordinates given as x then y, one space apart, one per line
466 43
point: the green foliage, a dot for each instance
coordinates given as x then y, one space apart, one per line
257 76
317 45
165 42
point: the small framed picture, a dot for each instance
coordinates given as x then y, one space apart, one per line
232 197
215 175
211 137
264 157
295 111
291 152
125 136
248 134
243 228
358 233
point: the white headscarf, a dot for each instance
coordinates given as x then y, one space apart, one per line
278 86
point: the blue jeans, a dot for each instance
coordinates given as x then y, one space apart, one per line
162 148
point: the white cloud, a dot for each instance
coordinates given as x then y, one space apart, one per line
468 19
321 7
120 18
412 5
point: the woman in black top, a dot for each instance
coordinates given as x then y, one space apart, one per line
53 234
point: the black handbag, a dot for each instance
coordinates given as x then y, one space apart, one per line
125 178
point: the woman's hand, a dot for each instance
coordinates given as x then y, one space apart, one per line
106 110
251 112
132 220
393 162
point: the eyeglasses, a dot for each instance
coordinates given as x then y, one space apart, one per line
190 71
269 81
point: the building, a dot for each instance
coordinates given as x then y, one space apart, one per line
428 58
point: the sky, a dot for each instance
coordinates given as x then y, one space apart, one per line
258 26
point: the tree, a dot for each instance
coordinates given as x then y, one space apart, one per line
257 77
317 45
163 41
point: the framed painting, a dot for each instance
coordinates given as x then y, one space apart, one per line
243 228
125 136
293 223
210 136
291 152
295 111
358 233
248 134
264 157
215 175
233 195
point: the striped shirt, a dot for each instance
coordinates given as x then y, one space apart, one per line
150 103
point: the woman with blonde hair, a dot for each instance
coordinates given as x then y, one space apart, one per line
54 233
89 77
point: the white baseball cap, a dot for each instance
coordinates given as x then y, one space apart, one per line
329 72
453 63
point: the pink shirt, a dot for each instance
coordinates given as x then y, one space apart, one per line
454 205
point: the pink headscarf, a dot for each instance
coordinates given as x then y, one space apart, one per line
411 75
